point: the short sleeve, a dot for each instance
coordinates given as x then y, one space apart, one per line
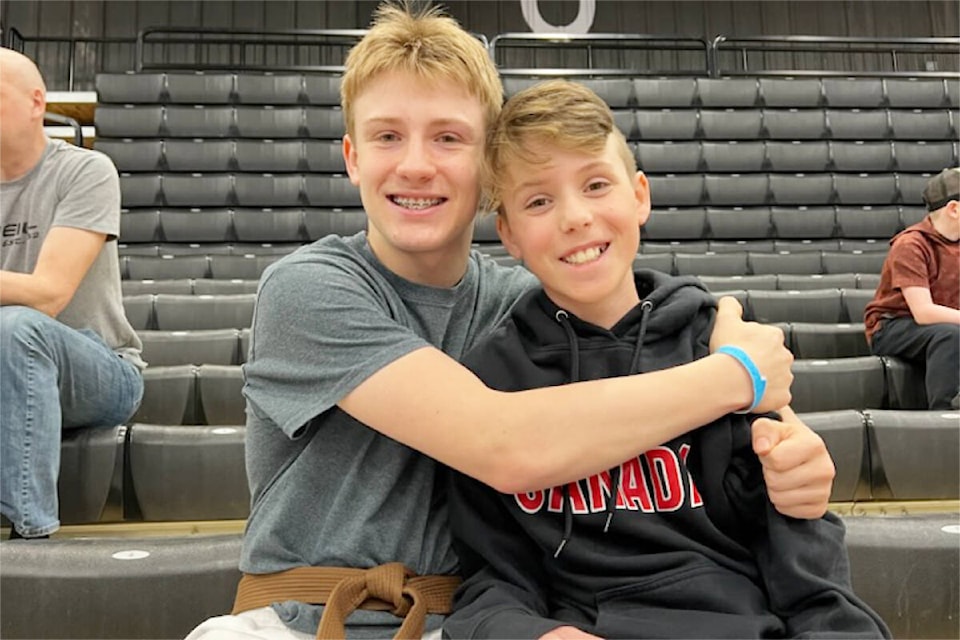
909 263
320 328
88 194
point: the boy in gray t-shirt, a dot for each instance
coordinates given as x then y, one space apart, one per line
68 356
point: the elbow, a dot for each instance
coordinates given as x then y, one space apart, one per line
53 305
516 470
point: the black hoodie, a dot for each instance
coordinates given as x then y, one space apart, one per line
691 547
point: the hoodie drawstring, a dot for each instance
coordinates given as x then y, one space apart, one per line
563 318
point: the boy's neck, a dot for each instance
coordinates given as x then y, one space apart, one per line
440 269
605 313
941 222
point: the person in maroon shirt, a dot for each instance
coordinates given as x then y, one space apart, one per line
915 313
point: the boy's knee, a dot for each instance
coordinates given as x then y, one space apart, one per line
21 325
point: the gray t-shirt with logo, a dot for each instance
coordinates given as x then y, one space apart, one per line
78 188
328 490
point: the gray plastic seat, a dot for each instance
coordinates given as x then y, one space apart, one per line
321 89
197 347
764 245
330 191
220 397
795 124
915 93
735 190
861 157
130 88
734 156
861 93
845 434
667 223
167 267
199 121
188 472
852 262
837 383
816 340
668 157
195 577
140 190
868 222
739 222
132 156
323 222
731 124
858 124
268 190
200 88
269 156
268 225
169 395
669 93
197 225
801 189
666 124
924 156
214 287
676 190
921 125
803 222
129 121
269 122
324 156
807 281
910 187
137 287
90 484
323 122
715 264
731 283
616 92
811 305
904 384
728 92
139 311
865 188
244 267
658 261
139 225
268 88
915 453
791 92
854 302
796 156
198 189
177 312
199 156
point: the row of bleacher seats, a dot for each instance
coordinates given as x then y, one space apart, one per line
265 122
747 156
151 472
247 230
664 92
250 190
208 394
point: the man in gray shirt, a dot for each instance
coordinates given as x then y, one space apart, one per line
68 356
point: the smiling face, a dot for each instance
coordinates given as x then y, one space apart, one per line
575 222
415 154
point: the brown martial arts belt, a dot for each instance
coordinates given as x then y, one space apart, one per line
390 587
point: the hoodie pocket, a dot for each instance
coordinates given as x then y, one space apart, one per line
694 601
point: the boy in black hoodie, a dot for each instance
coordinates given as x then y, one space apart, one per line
680 542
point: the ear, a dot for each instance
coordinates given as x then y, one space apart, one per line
641 191
506 236
38 101
350 159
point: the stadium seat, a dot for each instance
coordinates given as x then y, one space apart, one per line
322 89
268 156
811 305
816 341
854 303
852 262
904 382
268 225
778 262
801 189
865 188
668 93
805 282
868 281
130 156
807 156
199 121
139 225
139 311
860 156
666 124
731 283
172 348
734 190
924 156
323 122
668 157
268 190
220 399
140 190
837 383
728 92
794 124
196 224
864 245
330 191
921 125
674 224
167 267
805 245
214 287
803 222
858 124
911 186
684 190
188 473
907 568
200 88
90 484
197 189
616 92
109 587
198 156
868 221
269 89
659 261
169 396
844 433
269 122
243 267
953 92
739 222
730 124
131 88
860 93
137 287
324 156
184 313
791 92
129 121
711 264
626 121
915 93
734 156
915 454
760 245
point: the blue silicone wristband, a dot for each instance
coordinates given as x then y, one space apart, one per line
756 378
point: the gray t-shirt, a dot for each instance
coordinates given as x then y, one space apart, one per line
78 188
327 490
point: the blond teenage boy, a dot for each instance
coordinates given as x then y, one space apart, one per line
353 389
679 541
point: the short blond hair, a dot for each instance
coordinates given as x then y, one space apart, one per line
556 113
426 43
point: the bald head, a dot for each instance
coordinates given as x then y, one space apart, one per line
23 102
19 71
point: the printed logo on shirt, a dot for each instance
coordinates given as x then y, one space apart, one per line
655 481
16 233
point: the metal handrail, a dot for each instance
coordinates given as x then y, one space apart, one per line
831 44
70 122
17 41
589 41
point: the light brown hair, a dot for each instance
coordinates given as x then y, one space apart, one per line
426 43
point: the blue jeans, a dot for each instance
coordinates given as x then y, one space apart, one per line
52 378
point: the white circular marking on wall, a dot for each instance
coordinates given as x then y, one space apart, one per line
132 554
586 11
951 528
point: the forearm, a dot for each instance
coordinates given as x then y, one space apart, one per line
32 291
937 313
